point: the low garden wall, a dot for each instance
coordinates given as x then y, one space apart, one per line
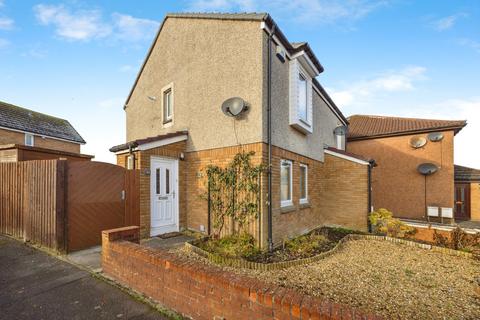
207 292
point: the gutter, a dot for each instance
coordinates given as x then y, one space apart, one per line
269 137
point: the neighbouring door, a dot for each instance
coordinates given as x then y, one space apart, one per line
164 200
462 201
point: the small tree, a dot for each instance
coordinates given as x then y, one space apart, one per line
383 222
234 193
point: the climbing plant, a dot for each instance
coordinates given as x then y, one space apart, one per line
234 193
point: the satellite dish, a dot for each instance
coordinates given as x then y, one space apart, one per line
417 142
427 169
435 136
340 131
234 106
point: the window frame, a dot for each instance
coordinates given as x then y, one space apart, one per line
288 202
305 120
166 116
300 123
26 138
304 200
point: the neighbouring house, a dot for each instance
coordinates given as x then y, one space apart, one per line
176 127
415 176
29 135
467 193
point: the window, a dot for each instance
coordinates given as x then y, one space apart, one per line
29 140
300 101
157 181
340 141
303 183
130 162
286 183
302 98
167 105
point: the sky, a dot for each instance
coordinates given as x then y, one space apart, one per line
78 59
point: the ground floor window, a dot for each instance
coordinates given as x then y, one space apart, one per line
303 183
286 183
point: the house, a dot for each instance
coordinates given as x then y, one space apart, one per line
30 135
414 177
467 193
176 127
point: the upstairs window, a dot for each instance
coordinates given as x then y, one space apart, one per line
300 91
302 98
286 183
167 105
29 139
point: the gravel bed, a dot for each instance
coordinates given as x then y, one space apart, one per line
389 279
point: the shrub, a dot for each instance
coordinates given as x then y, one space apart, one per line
305 245
233 246
383 222
459 240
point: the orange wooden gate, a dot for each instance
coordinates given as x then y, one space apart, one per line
96 201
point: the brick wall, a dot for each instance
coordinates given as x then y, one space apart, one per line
475 201
207 292
12 137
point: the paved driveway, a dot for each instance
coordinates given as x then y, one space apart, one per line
34 285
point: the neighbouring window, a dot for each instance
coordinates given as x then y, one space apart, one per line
303 183
286 183
29 139
340 142
302 97
167 105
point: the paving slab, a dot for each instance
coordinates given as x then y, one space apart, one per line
35 285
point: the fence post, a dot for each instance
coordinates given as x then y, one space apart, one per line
60 206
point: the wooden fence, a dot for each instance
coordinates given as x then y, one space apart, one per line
65 205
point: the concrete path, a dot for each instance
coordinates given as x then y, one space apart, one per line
34 285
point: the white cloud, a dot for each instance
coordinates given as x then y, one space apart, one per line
84 25
6 23
128 68
111 103
312 11
79 25
4 43
392 81
475 45
134 29
447 22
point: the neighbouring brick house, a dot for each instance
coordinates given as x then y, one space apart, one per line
176 127
399 146
467 192
30 135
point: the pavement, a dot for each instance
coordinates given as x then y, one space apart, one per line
35 285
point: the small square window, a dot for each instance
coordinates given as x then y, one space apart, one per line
303 183
167 105
29 139
286 183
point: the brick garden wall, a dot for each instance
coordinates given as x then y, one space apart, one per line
207 292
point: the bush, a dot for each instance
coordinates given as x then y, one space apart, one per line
233 246
383 222
459 240
305 245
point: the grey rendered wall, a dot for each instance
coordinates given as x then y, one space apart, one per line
283 135
208 61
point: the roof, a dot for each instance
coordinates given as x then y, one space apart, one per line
261 17
25 120
367 126
138 142
45 150
466 174
351 155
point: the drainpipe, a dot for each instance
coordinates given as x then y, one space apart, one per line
269 138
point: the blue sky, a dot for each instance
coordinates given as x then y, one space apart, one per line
78 59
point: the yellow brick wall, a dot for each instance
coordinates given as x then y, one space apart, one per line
475 201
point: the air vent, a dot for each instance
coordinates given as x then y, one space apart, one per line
281 54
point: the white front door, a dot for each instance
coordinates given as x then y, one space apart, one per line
163 195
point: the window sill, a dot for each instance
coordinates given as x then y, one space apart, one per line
167 122
305 205
287 209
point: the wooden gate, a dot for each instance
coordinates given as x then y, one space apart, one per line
95 202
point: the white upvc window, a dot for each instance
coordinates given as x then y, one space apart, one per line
301 90
286 180
167 104
131 162
340 141
29 139
303 183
